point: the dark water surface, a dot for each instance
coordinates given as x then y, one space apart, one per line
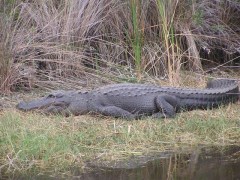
201 164
205 163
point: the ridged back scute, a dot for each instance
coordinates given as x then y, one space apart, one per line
220 83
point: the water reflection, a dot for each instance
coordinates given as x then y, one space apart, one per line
204 163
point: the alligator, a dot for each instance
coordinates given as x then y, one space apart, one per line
132 101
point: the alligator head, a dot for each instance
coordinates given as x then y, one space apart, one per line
55 102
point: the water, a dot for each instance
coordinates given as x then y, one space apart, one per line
202 164
212 163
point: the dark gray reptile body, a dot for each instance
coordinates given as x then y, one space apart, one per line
134 100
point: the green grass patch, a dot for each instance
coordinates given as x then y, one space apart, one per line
32 142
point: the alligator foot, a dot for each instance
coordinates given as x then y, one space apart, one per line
167 104
160 115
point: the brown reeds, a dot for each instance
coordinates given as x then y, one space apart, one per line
89 42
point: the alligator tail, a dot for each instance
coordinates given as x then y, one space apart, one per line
219 83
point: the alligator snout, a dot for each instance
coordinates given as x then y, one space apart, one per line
35 104
24 106
43 103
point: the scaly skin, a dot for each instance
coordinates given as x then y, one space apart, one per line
132 101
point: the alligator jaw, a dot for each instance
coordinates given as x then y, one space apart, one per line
35 104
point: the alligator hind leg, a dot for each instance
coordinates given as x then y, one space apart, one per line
167 104
116 112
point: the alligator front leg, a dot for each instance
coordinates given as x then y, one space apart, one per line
57 109
116 112
167 104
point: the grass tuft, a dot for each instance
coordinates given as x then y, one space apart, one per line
33 142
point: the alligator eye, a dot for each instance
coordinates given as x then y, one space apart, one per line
56 94
51 96
83 92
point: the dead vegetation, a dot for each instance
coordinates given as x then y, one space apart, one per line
86 43
75 44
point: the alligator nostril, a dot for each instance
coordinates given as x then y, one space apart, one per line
21 105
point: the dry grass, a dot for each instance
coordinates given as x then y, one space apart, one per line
74 44
90 42
32 142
